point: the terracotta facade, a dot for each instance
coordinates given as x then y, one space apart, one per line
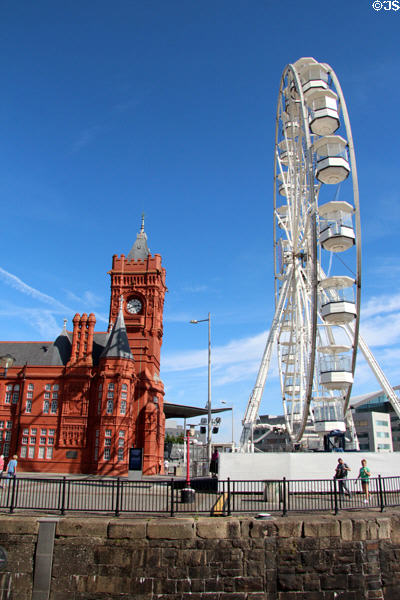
78 404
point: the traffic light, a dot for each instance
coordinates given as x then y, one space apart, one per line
215 424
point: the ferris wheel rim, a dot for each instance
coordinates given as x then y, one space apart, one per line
357 218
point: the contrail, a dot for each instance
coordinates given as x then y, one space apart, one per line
24 288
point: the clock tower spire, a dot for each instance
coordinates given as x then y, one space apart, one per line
140 249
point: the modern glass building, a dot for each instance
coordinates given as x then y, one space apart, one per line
377 424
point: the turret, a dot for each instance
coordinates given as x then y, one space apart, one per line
117 345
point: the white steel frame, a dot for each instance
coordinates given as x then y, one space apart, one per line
297 329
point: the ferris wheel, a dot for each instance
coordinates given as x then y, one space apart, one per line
317 254
317 260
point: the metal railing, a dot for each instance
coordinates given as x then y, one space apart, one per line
211 496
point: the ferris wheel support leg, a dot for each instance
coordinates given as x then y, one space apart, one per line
350 427
379 374
255 398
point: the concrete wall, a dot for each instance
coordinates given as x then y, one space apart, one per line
299 558
304 465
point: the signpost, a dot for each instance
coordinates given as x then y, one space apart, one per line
135 470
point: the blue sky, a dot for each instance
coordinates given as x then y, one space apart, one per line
111 109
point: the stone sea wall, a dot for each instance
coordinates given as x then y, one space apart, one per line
305 558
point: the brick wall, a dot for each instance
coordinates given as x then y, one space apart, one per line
303 558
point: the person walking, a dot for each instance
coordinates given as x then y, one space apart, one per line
364 475
214 463
1 467
12 467
341 474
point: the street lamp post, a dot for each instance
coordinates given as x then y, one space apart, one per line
209 424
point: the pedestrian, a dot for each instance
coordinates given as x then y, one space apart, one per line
12 467
1 466
364 475
166 466
341 474
214 463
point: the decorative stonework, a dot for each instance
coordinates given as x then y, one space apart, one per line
303 558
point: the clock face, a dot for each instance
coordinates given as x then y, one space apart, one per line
134 306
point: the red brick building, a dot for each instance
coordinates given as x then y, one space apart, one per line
79 403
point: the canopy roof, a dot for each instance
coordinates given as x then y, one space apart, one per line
180 411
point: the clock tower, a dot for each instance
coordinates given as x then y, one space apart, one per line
138 288
139 280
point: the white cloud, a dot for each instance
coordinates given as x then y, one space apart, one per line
195 289
236 372
101 317
243 350
184 361
381 305
87 298
382 331
135 99
87 136
91 298
239 359
177 317
42 319
17 283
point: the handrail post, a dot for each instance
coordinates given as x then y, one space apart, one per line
335 497
229 497
63 495
381 500
68 484
117 499
121 495
172 498
14 480
284 498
